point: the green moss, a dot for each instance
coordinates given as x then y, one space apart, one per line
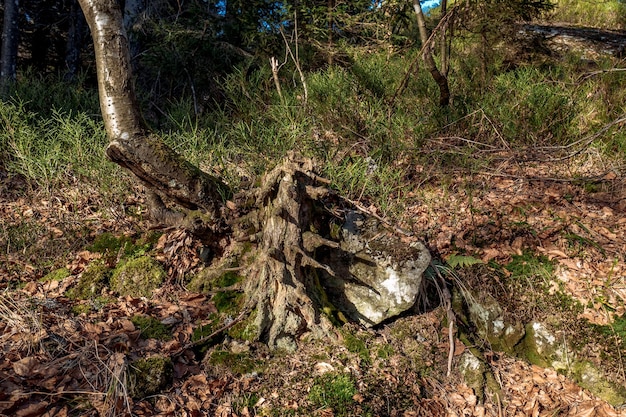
227 279
245 329
528 265
238 363
91 281
108 243
151 328
358 346
211 279
385 352
56 275
79 309
227 301
137 277
618 327
112 246
99 302
206 330
335 391
149 376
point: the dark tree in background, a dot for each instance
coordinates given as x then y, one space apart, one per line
75 40
10 35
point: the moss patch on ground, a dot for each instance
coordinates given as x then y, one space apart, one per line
149 376
335 391
91 281
151 328
238 363
56 275
137 277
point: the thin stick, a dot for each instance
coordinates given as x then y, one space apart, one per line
296 58
275 67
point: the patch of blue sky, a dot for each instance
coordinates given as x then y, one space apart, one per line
426 4
429 4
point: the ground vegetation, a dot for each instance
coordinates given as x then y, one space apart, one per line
517 188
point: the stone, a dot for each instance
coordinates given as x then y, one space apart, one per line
487 315
542 348
378 275
473 371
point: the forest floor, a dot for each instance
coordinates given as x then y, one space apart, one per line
68 356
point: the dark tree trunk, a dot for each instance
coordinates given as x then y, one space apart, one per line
427 55
74 45
10 35
330 27
444 51
132 15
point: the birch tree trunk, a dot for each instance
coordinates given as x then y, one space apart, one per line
131 145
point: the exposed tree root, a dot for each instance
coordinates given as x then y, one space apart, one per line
281 283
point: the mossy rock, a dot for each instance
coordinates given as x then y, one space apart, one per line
540 347
473 371
149 376
138 277
486 314
593 379
91 281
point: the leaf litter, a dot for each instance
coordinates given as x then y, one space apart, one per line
60 361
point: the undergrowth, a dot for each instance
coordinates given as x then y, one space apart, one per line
366 146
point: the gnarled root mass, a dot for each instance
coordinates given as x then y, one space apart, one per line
282 287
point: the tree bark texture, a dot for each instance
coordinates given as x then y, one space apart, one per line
427 55
281 285
131 146
8 53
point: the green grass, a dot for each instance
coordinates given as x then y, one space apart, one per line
365 148
56 149
608 14
530 266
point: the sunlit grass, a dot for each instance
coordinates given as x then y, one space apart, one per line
607 14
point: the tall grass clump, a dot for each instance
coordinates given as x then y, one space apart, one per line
608 14
53 147
532 107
